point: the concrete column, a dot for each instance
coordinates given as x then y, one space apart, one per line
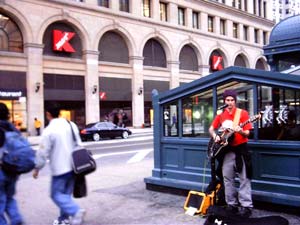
236 4
228 2
155 10
137 99
268 13
250 7
92 107
135 7
261 6
92 2
35 98
251 34
260 37
229 28
173 12
203 21
217 25
204 69
256 7
240 31
114 5
243 5
188 17
174 67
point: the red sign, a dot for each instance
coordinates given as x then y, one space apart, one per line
102 95
61 41
216 62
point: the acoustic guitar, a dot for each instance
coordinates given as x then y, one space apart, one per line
214 148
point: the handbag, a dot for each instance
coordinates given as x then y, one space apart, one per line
82 159
80 188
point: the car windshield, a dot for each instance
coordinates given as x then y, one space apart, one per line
110 125
90 125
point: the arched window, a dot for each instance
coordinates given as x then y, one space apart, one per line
113 48
188 59
260 65
239 61
72 42
10 35
216 61
154 54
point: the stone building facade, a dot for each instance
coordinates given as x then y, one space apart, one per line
100 58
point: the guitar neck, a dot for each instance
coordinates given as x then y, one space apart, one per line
245 123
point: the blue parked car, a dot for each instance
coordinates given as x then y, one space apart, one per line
100 130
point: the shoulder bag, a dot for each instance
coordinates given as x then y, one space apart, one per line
82 159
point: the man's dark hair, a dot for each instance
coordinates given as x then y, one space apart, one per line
53 109
4 112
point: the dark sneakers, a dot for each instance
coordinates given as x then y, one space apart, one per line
245 212
232 209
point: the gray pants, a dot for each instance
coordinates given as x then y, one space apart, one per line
232 196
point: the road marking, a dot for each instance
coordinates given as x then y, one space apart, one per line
139 156
97 147
98 156
118 140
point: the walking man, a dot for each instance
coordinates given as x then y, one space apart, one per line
236 159
57 145
8 205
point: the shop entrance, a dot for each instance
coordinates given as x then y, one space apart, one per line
18 114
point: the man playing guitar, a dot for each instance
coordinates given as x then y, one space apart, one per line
235 158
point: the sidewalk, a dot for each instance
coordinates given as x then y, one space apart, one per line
117 195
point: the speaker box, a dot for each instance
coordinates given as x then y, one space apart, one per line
199 201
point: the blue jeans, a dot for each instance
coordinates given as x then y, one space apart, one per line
61 193
8 205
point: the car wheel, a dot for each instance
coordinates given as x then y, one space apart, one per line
125 134
96 137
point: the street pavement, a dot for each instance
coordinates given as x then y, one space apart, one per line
117 195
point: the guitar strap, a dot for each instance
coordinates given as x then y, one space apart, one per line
236 118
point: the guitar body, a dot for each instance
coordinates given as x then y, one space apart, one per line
214 148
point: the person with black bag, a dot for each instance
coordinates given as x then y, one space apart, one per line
57 145
8 205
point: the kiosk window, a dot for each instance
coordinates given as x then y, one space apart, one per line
280 110
197 114
170 119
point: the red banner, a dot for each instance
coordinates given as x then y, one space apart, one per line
216 63
61 41
102 95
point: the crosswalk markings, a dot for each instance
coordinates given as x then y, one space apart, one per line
139 156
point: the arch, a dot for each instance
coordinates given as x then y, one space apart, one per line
188 59
241 60
222 52
217 51
261 63
113 48
21 22
83 34
196 48
163 41
127 37
154 54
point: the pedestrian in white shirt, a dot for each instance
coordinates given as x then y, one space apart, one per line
56 146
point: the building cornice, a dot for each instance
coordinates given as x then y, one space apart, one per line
209 4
